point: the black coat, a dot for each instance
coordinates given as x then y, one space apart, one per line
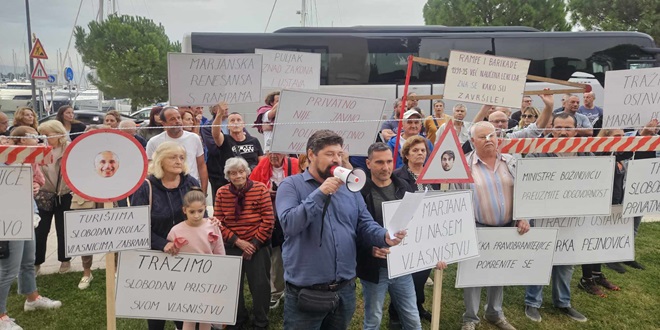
402 173
76 130
368 266
166 208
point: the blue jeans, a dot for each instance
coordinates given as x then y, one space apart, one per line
20 263
402 292
561 289
339 319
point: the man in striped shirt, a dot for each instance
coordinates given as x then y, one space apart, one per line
492 191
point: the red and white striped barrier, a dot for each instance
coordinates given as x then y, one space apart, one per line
581 144
39 155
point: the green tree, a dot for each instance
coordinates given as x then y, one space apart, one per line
546 15
130 57
618 15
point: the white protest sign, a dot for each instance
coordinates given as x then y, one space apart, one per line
301 113
508 258
442 229
107 230
485 79
16 203
206 79
592 239
632 97
563 186
642 193
186 287
285 69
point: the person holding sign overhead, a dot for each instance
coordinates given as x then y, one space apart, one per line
163 190
322 221
563 126
492 191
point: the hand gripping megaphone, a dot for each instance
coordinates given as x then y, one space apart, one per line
354 179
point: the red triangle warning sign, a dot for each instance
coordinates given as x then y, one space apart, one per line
39 71
447 162
38 50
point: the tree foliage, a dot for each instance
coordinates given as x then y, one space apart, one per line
618 15
129 55
546 15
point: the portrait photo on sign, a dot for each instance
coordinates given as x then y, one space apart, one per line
447 159
104 165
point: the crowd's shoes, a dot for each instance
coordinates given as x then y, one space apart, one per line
469 326
7 323
634 264
85 281
532 313
573 314
589 285
275 301
617 267
65 266
41 303
425 315
429 282
601 280
501 323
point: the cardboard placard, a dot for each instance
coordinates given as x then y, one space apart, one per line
642 193
592 239
632 97
186 287
301 113
550 187
508 258
442 229
485 79
293 70
16 203
207 79
107 230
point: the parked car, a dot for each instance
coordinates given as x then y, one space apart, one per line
88 117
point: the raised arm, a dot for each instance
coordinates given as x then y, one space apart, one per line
216 131
482 113
546 114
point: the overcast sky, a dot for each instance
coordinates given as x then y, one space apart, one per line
53 21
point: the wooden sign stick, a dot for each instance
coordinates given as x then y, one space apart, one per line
437 299
110 284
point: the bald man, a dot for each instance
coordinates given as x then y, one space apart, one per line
130 127
106 164
589 109
4 124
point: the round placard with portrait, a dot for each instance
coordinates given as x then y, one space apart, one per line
104 165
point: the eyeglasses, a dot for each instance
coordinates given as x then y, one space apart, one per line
528 116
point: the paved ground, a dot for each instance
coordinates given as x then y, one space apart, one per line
52 265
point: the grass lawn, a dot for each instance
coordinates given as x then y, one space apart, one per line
637 306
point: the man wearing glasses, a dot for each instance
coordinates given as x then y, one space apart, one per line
526 102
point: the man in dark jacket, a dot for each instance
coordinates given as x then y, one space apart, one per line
371 260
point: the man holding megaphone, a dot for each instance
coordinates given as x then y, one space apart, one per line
322 220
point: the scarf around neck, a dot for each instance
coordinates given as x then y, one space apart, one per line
239 201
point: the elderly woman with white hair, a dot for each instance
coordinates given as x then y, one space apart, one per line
245 211
164 188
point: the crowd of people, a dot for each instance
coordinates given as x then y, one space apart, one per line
284 213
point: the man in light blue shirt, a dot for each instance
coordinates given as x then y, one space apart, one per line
322 221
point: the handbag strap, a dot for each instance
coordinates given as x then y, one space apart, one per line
150 191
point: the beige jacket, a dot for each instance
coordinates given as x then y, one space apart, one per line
52 173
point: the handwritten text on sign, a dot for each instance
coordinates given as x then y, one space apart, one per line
442 229
107 230
206 79
16 203
185 287
563 186
508 258
632 97
642 193
592 240
356 119
485 79
295 70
